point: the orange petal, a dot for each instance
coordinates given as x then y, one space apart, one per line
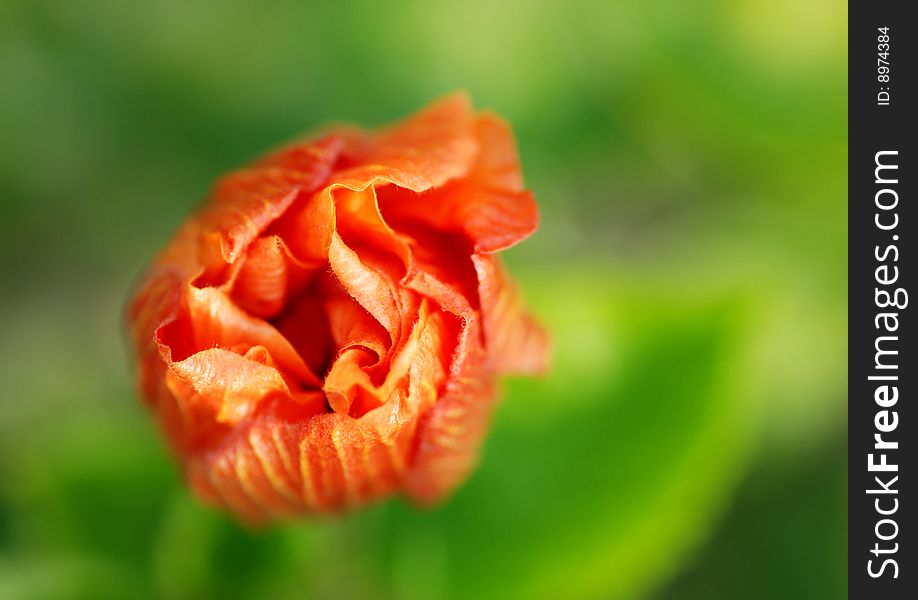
422 358
307 228
305 326
286 458
424 151
268 277
515 342
352 326
348 380
450 433
374 291
497 165
488 205
442 270
245 202
156 303
361 226
215 321
222 385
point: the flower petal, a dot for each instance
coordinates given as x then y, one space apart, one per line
362 228
422 152
156 303
372 288
217 322
287 457
268 277
304 325
307 228
422 358
489 205
245 202
497 165
515 342
449 434
222 385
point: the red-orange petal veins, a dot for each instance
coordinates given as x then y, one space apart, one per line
328 329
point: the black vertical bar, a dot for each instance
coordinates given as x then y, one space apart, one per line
882 373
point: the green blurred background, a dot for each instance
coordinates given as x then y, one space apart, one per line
690 163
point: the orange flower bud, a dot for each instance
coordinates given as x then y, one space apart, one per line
326 330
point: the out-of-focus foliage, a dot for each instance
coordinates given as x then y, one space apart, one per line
690 162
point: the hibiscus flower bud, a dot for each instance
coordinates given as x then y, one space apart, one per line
328 327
